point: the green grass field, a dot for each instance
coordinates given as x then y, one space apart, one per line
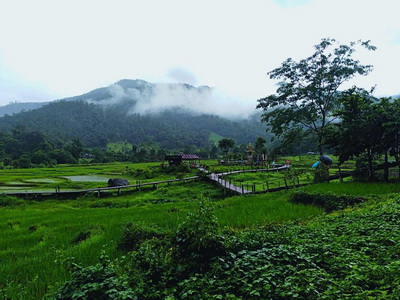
38 238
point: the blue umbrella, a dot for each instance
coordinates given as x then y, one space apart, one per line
315 164
326 160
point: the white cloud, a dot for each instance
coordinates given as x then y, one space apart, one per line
153 99
181 75
201 100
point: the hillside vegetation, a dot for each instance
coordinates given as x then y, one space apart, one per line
104 115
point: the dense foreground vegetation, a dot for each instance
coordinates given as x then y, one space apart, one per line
353 255
164 244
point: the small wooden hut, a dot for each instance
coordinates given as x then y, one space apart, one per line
177 159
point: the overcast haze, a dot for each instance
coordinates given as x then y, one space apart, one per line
56 49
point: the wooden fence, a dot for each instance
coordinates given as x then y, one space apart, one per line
98 191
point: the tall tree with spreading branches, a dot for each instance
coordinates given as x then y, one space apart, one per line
308 90
226 144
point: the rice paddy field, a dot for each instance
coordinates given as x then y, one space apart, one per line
77 177
39 238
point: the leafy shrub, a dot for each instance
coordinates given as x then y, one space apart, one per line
151 270
198 240
23 162
135 234
277 272
158 267
86 234
328 201
175 169
95 282
143 173
82 236
321 173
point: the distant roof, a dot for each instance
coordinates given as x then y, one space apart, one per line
189 156
183 156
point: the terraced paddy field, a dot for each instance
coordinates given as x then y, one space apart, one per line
40 238
77 177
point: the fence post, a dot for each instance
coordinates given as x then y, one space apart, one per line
340 174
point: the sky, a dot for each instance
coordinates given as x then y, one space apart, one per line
52 49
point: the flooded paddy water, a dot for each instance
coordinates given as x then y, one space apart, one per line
87 178
50 184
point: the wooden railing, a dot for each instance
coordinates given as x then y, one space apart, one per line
138 186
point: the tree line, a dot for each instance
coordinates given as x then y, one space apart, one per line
21 148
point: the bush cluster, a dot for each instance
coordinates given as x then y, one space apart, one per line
321 173
96 282
354 255
174 169
330 202
197 240
135 234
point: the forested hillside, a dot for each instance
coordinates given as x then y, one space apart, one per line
115 120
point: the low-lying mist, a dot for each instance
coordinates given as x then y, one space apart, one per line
150 98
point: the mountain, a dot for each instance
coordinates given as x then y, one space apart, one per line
16 107
135 111
119 90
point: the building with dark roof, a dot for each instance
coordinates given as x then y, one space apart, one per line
177 159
